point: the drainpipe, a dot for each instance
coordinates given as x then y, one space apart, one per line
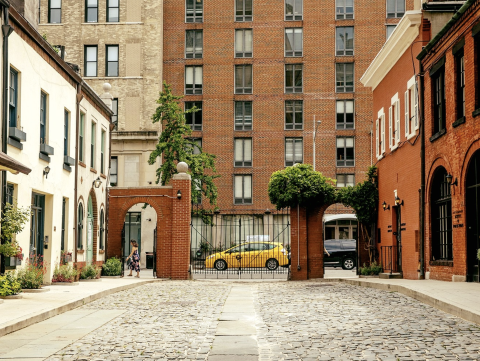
6 30
422 172
77 130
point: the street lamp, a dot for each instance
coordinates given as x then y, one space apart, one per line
97 183
315 124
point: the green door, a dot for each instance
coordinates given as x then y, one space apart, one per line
37 224
90 231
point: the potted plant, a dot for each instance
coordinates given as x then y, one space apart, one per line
89 272
10 287
31 275
64 274
13 221
112 267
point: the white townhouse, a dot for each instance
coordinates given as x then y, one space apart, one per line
60 129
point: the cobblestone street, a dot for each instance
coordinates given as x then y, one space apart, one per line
292 321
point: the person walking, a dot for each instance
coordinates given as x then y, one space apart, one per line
135 257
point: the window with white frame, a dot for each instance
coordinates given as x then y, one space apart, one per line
344 9
390 29
411 109
344 77
395 8
243 43
380 134
345 180
394 122
293 151
345 151
243 189
345 114
194 11
113 171
193 44
293 42
93 145
243 10
344 40
243 79
293 9
193 80
243 115
243 152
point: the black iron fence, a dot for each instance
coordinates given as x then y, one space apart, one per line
390 258
255 245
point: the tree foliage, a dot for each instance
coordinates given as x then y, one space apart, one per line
176 146
301 185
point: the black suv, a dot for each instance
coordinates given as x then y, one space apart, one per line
341 252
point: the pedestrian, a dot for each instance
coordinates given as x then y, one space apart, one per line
135 258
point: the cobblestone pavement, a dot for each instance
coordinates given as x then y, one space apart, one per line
294 320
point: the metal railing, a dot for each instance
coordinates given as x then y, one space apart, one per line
390 258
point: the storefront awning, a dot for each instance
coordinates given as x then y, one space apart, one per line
336 217
11 165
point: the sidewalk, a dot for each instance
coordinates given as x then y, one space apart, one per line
16 314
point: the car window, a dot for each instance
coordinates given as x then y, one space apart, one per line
241 248
267 246
349 245
333 246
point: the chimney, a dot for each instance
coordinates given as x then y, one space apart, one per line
29 9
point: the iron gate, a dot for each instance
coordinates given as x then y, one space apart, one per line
241 245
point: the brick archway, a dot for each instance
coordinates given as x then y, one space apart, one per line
173 224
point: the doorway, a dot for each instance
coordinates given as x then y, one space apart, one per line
37 225
473 218
89 231
398 222
133 230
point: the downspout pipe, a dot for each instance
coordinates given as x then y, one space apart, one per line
6 31
77 133
420 93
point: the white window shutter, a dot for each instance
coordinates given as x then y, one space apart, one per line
383 134
390 126
397 122
377 145
407 114
415 113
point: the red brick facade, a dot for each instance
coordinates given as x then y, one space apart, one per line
451 150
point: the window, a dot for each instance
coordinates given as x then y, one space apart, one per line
194 119
243 43
13 99
243 79
92 145
441 205
460 79
64 223
293 9
112 60
91 52
10 193
243 152
243 10
243 115
194 11
197 145
115 113
91 11
344 77
390 29
344 9
193 44
294 42
102 153
345 180
394 122
345 114
102 230
193 79
344 40
293 114
54 11
438 81
293 78
345 152
43 118
113 171
411 109
243 189
65 132
395 8
80 227
113 11
81 140
380 134
293 151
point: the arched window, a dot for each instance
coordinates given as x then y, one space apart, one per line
441 207
80 227
102 230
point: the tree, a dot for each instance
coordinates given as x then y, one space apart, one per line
176 146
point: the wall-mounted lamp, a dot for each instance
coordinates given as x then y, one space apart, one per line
149 219
449 180
398 201
268 211
385 206
46 170
179 194
97 182
216 211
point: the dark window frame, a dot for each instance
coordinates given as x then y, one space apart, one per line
241 119
242 163
194 14
344 15
66 126
51 10
193 54
109 7
293 52
64 223
460 84
108 62
191 118
13 98
93 145
80 226
194 88
241 14
345 51
81 140
43 117
243 89
341 85
87 12
102 151
115 113
102 230
438 101
243 199
85 61
291 78
344 124
295 158
292 104
113 171
345 161
441 210
10 193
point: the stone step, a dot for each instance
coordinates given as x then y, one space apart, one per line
390 275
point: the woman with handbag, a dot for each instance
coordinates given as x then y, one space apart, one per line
135 258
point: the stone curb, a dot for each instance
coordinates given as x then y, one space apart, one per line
419 296
70 305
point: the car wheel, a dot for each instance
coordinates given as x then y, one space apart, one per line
348 263
220 265
272 264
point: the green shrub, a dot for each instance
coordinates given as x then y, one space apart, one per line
9 285
89 272
372 270
31 276
112 267
64 273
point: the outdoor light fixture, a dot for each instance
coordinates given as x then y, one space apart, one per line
449 180
97 182
46 170
398 201
268 211
385 207
179 194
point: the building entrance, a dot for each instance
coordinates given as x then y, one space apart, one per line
37 225
90 231
473 217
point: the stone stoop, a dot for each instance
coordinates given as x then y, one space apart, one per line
390 275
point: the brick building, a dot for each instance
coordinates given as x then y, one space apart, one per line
452 147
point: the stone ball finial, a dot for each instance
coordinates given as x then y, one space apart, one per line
182 167
107 87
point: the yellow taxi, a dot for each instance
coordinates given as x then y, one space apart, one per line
247 255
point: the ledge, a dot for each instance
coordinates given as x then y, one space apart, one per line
438 135
103 176
441 263
67 167
476 112
82 164
93 170
80 251
44 157
15 143
17 134
459 121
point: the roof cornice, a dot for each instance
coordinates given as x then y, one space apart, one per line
402 37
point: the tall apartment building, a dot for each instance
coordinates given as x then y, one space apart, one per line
119 42
264 73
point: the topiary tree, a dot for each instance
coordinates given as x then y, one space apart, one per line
300 185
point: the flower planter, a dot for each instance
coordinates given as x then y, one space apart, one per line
67 258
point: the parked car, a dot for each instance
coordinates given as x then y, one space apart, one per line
253 254
341 252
